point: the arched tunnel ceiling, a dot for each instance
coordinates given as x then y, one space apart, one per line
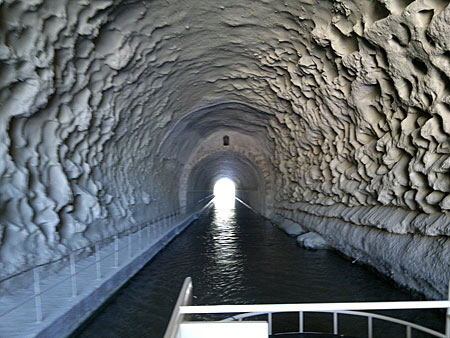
248 178
234 166
104 102
196 127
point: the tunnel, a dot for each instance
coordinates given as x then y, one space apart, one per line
332 115
224 139
235 167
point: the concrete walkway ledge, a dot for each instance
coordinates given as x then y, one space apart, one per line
64 323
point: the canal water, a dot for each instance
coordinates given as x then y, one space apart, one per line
235 256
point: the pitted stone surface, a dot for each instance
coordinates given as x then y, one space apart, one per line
105 104
312 241
291 228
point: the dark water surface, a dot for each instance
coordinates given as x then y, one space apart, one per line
237 257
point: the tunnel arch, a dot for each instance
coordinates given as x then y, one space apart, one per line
109 105
245 146
247 176
195 126
200 134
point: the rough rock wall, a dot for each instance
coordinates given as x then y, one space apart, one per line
351 98
73 168
369 138
373 102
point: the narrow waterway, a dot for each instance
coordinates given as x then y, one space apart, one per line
237 257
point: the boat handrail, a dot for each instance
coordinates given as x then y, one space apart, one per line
241 312
370 316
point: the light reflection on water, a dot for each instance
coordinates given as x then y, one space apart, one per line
225 251
236 257
225 265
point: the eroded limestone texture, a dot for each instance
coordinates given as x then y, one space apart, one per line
337 109
312 241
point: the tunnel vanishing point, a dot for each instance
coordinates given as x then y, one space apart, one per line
330 114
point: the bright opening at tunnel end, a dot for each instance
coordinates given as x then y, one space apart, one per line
224 193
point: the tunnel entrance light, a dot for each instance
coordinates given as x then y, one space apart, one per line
224 193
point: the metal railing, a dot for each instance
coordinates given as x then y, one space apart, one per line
184 299
183 308
104 254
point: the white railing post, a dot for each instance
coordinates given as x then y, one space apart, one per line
140 237
73 274
408 331
97 261
116 251
37 295
157 228
129 244
300 322
369 327
269 320
335 323
150 228
447 323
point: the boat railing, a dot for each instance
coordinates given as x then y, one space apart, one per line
241 312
